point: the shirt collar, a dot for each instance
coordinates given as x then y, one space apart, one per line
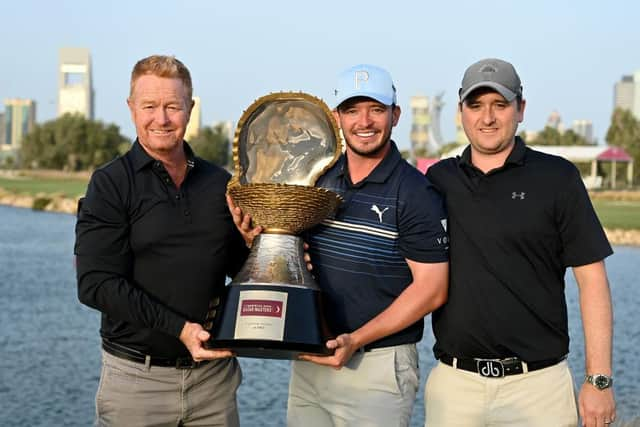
381 172
141 158
516 157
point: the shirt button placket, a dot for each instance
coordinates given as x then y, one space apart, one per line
185 208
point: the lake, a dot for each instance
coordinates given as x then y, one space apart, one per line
50 348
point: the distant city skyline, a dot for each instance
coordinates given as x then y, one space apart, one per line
569 58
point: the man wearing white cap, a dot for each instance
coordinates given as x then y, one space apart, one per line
517 219
382 263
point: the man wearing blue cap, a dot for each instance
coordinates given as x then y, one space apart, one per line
517 219
382 263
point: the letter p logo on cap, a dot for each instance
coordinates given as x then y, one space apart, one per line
360 76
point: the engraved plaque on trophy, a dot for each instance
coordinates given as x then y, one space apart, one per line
273 307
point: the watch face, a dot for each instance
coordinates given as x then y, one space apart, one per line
601 381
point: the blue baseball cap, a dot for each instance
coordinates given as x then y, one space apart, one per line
365 80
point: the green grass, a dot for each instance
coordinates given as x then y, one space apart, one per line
32 186
618 214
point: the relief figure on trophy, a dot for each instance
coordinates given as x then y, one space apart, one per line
286 143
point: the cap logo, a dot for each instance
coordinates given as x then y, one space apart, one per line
360 76
488 69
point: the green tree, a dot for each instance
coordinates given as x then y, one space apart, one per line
569 137
212 144
72 143
551 136
523 135
624 132
447 147
548 136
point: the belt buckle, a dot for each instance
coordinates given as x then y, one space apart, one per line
490 368
186 363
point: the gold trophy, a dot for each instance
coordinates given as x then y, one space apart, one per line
273 307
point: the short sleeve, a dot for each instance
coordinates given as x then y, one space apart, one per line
422 222
583 238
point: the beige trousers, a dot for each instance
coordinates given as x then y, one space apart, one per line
377 388
543 398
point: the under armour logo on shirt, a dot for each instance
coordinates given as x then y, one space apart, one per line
520 195
377 210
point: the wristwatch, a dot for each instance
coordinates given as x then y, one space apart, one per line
599 381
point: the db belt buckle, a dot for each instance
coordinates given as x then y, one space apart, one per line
494 368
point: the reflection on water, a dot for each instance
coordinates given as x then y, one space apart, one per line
49 364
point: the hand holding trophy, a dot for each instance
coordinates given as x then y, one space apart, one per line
273 308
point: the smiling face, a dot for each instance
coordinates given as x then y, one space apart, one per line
490 122
366 125
160 109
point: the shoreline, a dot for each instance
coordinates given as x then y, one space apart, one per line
57 203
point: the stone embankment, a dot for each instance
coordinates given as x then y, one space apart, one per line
623 237
43 201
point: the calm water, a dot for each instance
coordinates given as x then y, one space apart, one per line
49 345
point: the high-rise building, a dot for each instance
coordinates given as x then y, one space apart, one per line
420 123
75 88
425 136
195 121
19 120
627 94
636 95
3 136
584 128
435 139
624 93
555 121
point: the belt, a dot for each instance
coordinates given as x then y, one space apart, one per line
123 352
367 348
497 368
364 349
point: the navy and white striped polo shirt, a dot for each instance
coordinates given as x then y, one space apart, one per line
359 254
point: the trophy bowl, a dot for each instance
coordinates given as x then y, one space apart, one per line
273 307
283 208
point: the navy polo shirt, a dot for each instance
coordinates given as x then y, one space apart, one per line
359 255
514 231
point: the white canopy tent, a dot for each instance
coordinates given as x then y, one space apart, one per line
581 154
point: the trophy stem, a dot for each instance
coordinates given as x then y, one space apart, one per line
276 259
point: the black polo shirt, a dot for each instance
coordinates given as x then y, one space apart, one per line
513 233
149 255
359 255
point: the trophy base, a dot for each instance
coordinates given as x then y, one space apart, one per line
271 322
269 349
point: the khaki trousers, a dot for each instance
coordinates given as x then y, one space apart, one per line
133 394
376 388
545 397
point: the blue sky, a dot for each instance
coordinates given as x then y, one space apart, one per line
569 54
